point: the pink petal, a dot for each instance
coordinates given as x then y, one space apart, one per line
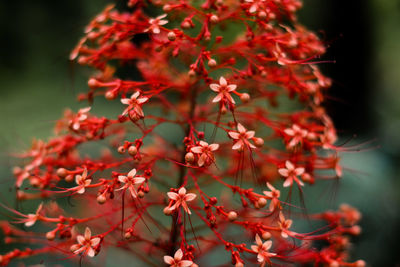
237 145
182 191
95 241
289 132
215 87
217 98
132 191
288 182
267 245
250 134
88 233
123 179
229 97
299 171
161 16
197 149
132 173
125 101
214 147
202 143
91 252
222 81
231 87
169 260
202 160
173 195
138 180
81 240
135 95
142 100
234 135
190 197
283 172
258 240
178 255
289 165
162 22
241 128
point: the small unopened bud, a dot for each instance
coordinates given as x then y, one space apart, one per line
232 216
171 36
214 19
127 235
245 97
212 63
132 150
167 8
262 202
62 172
110 95
140 194
263 74
69 178
360 263
167 211
74 247
191 73
93 83
121 150
355 230
266 235
101 199
239 264
262 15
189 157
50 235
185 24
259 142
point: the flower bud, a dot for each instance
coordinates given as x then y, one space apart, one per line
214 19
62 172
50 235
266 235
132 150
262 202
121 150
101 199
232 216
259 142
171 36
212 63
245 97
189 157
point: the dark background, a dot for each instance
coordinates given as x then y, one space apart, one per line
37 82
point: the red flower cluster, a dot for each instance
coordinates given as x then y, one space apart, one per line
226 101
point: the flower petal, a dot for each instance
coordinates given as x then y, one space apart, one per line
173 195
132 173
222 81
178 255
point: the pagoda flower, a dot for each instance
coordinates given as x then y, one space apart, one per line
284 225
177 261
86 244
32 218
242 137
81 116
82 181
291 173
274 195
180 199
130 181
223 90
134 103
206 152
155 24
262 250
297 133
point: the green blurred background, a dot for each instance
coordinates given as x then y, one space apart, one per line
37 83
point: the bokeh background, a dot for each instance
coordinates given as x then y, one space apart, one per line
37 82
